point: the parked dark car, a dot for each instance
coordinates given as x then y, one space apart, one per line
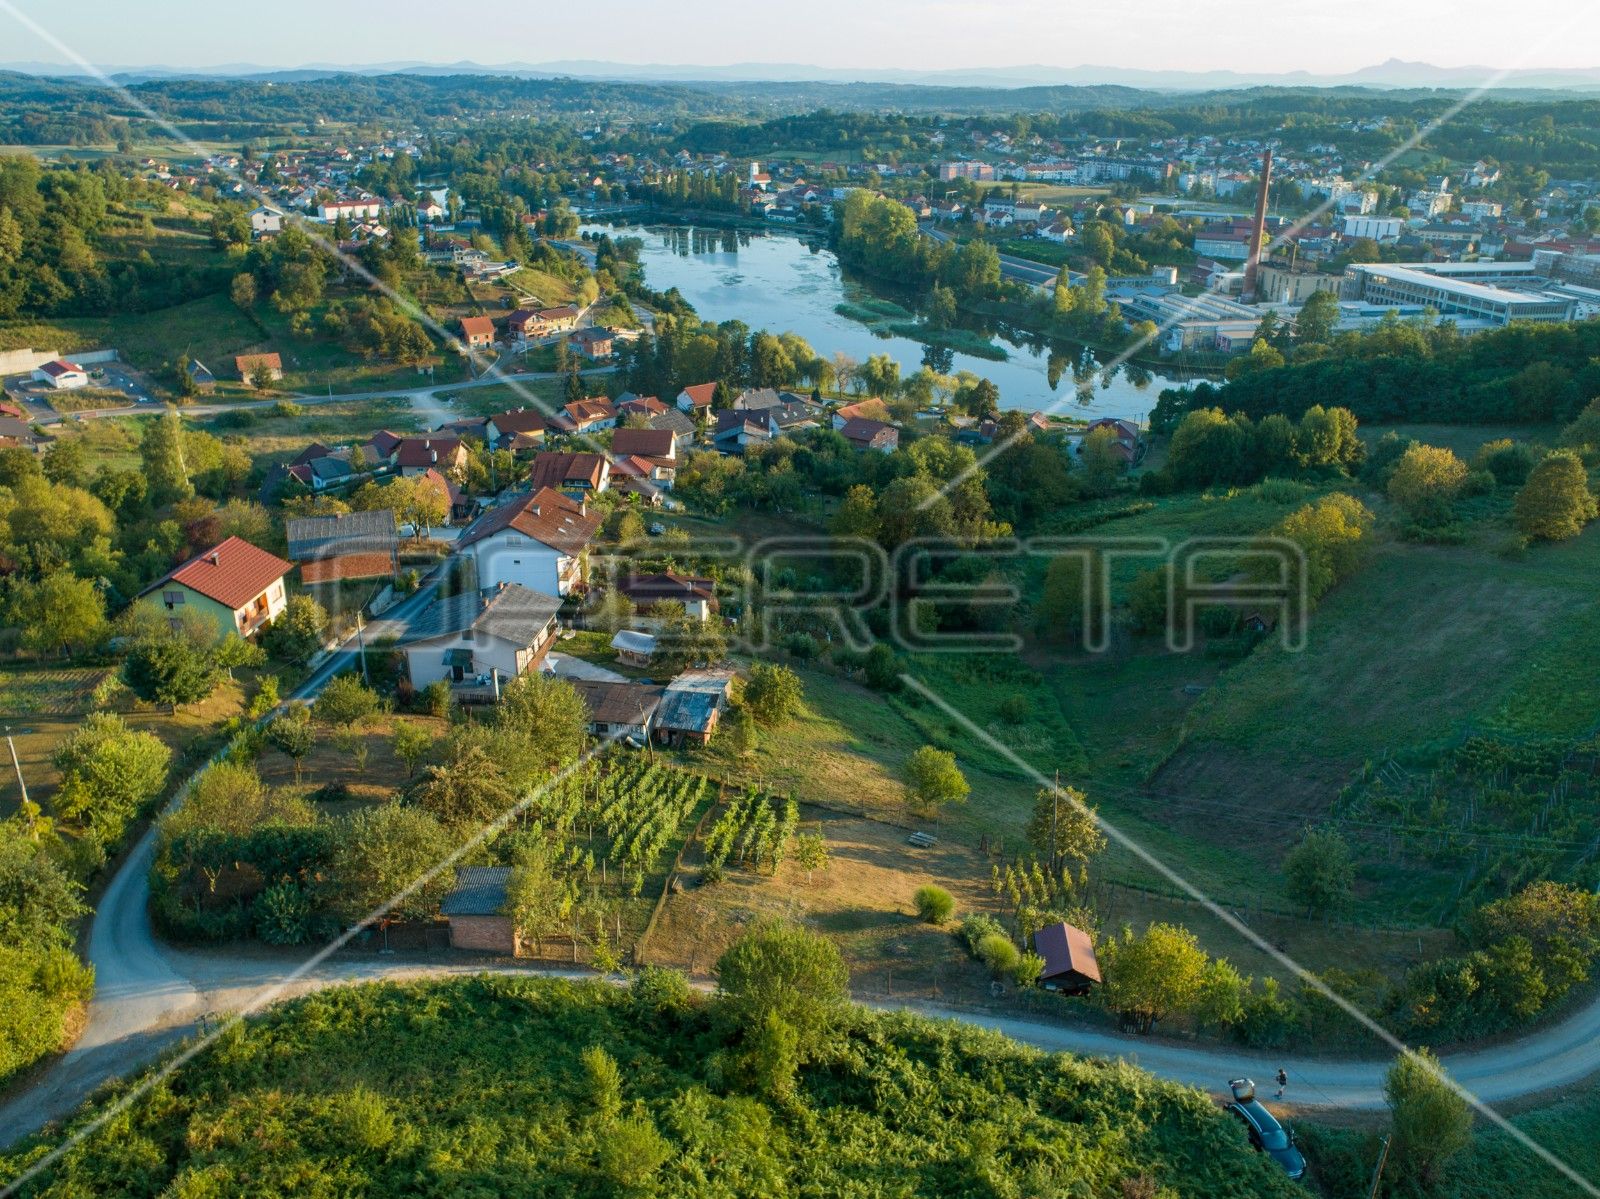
1266 1134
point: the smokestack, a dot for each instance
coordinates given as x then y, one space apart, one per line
1258 230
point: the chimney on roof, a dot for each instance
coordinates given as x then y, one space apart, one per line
215 557
433 455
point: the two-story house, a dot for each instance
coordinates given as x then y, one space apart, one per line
477 639
535 540
238 586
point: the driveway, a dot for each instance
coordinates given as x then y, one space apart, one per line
565 666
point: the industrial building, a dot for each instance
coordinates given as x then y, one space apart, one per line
1497 292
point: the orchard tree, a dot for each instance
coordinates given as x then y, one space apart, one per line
345 701
291 734
781 969
933 780
538 899
547 716
1319 873
412 743
298 632
1064 828
387 865
810 853
773 693
59 614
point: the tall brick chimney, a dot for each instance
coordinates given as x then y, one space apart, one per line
1258 230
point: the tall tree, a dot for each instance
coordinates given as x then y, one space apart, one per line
161 451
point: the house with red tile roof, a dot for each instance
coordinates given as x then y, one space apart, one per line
238 586
570 473
418 455
477 332
253 367
697 398
587 416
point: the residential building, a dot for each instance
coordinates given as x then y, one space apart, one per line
351 210
576 474
697 398
594 344
480 640
871 408
518 429
698 596
620 711
477 332
537 540
647 443
265 219
864 434
236 585
587 416
541 322
1378 228
418 455
254 368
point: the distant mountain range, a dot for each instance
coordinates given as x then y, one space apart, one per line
1393 74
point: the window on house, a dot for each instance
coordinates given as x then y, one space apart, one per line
172 598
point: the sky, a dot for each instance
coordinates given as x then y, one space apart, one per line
1257 36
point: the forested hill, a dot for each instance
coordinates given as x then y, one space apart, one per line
499 1086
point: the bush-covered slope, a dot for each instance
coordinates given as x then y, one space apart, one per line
482 1087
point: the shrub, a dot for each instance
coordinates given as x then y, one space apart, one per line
975 928
1509 462
934 904
1014 709
435 699
345 701
997 952
1030 967
282 915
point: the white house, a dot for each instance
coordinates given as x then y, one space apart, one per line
266 219
536 541
354 210
62 375
480 639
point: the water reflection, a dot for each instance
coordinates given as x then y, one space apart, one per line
792 281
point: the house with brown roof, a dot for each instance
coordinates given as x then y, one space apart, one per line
629 404
238 586
537 540
594 344
698 596
647 443
620 711
477 332
587 416
864 434
520 429
576 474
252 368
540 322
418 455
1069 962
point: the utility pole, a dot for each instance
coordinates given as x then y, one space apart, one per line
1377 1173
361 642
17 765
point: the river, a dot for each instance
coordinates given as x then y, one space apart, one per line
784 281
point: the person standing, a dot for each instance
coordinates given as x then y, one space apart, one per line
1283 1080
